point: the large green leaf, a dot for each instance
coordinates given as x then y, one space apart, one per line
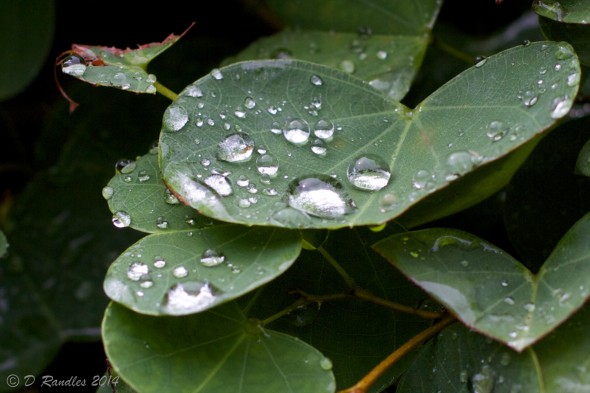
461 361
320 148
26 34
490 291
3 244
189 271
387 63
218 351
568 11
138 199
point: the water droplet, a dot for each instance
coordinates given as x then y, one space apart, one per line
162 223
216 74
316 80
318 147
369 172
320 196
281 53
180 272
220 184
211 258
125 166
107 192
237 147
388 202
121 219
563 53
120 80
143 176
573 79
323 129
560 107
483 381
496 130
509 300
194 91
275 128
189 297
297 132
326 364
267 165
480 61
170 198
249 103
504 283
529 98
73 65
137 270
459 162
242 181
159 262
175 118
422 179
347 66
382 55
530 307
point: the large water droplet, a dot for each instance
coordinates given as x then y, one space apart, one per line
561 106
189 297
369 172
220 184
121 219
297 132
73 65
175 118
323 129
267 165
137 270
319 147
107 192
211 258
460 162
180 272
237 147
320 196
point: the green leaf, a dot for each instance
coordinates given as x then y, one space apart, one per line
583 160
123 69
462 361
224 353
568 11
403 17
387 63
26 35
3 244
490 291
139 199
185 272
263 122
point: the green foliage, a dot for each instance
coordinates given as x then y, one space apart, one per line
305 217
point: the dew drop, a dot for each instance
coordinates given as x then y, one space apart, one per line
529 98
180 272
529 307
220 184
369 173
120 80
161 223
483 381
316 80
121 219
422 179
496 130
170 198
249 103
189 297
326 364
194 91
242 181
159 262
143 176
560 107
212 258
216 74
460 162
297 132
276 129
319 148
347 66
320 196
175 118
267 165
107 192
73 65
323 129
563 53
509 300
125 166
237 147
480 61
137 270
382 55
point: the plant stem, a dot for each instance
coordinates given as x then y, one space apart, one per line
298 303
454 51
368 380
365 295
349 280
166 92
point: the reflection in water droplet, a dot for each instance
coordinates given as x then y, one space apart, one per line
320 196
121 219
297 132
137 270
563 52
369 172
220 184
175 118
237 147
267 165
189 297
211 258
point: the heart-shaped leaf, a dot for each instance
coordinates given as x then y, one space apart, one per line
490 291
138 199
185 272
319 148
224 353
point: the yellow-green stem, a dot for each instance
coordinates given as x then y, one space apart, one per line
365 295
349 280
166 92
368 380
454 51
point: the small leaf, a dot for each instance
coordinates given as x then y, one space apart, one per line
583 161
123 69
224 353
335 153
137 191
185 272
487 289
